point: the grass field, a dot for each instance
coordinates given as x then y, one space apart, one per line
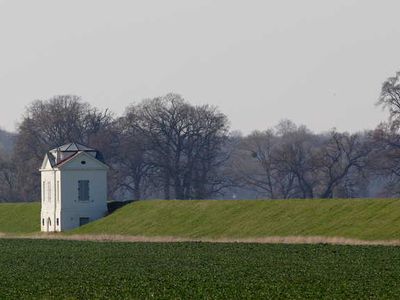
361 219
88 270
19 217
367 219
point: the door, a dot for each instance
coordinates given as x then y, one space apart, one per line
48 224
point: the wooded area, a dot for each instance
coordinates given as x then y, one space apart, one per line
167 148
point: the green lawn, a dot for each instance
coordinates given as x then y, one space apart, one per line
369 219
375 219
49 269
19 217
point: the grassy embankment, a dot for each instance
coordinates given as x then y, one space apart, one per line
362 219
369 219
19 217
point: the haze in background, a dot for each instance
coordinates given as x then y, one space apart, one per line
318 63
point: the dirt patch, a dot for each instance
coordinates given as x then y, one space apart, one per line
172 239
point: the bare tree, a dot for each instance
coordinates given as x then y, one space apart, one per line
255 166
51 123
295 156
338 156
186 144
131 162
8 186
390 98
385 158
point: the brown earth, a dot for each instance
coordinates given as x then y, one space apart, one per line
172 239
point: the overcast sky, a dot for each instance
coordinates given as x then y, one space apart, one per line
318 63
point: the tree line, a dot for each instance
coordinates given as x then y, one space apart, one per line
167 148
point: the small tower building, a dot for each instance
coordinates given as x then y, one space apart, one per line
74 187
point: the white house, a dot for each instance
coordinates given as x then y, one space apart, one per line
74 187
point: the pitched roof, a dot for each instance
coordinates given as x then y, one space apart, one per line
72 147
50 158
66 159
65 153
80 153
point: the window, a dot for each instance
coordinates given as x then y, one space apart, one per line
58 191
83 190
58 222
83 221
43 191
49 191
43 222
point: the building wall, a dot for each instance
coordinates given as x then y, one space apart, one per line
50 204
72 209
64 209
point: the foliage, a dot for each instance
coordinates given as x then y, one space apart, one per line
86 270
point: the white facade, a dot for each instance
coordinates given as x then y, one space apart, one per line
74 188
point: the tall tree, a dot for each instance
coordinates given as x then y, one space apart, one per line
390 98
337 157
296 156
254 165
186 145
131 162
386 155
51 123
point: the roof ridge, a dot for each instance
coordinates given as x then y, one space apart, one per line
68 158
73 146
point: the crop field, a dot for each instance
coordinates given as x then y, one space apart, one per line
84 270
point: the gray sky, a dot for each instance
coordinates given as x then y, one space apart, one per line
319 63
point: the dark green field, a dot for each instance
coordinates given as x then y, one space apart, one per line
85 270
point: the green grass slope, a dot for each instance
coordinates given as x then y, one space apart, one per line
370 219
19 217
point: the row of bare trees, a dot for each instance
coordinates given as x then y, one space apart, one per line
162 147
292 162
168 148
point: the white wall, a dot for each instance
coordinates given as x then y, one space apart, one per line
71 208
50 208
